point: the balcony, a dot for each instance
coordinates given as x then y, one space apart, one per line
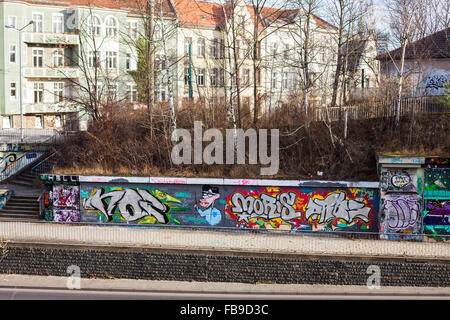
50 38
54 73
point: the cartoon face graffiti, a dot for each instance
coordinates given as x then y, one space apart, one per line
209 196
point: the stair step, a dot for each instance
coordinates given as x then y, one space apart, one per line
22 204
19 216
15 209
24 184
19 207
22 178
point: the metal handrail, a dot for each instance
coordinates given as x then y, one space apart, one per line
17 165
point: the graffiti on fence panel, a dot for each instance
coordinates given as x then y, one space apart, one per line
401 214
292 209
436 219
144 205
62 215
65 195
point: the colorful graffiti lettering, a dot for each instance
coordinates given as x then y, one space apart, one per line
209 196
336 206
274 207
65 195
131 204
437 217
401 212
66 215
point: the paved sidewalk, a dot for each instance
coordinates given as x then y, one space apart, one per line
118 236
51 282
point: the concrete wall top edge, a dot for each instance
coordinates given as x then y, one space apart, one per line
232 182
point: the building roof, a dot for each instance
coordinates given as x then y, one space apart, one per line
199 13
434 46
189 12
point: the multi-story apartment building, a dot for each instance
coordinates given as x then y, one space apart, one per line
79 51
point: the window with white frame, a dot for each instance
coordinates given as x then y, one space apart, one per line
132 29
37 22
111 60
38 92
214 48
13 91
186 76
7 122
221 77
187 45
132 94
274 80
58 58
128 61
94 26
57 23
201 47
93 58
12 53
111 27
38 55
112 91
214 77
201 77
58 121
246 77
285 80
245 50
160 62
161 93
38 121
58 91
12 21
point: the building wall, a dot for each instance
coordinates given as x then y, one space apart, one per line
426 76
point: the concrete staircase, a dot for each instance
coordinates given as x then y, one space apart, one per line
23 204
25 179
21 207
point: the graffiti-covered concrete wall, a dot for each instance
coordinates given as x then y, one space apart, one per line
236 203
437 198
415 194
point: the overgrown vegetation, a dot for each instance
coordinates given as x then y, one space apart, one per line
120 144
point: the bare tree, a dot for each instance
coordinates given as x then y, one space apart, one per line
402 15
345 15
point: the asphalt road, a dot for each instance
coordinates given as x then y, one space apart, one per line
66 294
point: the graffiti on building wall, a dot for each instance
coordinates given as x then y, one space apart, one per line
401 214
401 180
65 195
437 81
145 205
437 179
63 215
287 208
206 206
436 219
5 195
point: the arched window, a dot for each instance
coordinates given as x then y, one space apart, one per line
94 26
111 27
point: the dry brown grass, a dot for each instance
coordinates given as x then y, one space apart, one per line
123 144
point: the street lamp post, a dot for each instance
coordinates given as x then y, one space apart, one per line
20 74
